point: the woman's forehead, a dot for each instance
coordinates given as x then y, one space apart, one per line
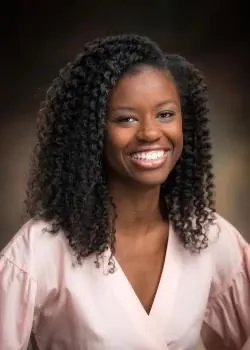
147 85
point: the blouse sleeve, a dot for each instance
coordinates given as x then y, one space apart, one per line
17 300
227 318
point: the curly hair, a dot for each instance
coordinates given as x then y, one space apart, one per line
67 184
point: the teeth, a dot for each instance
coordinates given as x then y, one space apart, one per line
152 155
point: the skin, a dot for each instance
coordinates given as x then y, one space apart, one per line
144 112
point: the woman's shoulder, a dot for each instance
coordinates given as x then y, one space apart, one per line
33 245
227 248
225 241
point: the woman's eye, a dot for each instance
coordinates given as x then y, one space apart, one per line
125 119
166 115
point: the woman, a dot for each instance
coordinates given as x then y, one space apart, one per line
124 249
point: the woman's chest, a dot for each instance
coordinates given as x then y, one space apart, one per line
143 272
89 308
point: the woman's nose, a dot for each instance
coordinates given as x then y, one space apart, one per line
149 131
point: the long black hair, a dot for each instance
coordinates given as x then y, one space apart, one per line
68 186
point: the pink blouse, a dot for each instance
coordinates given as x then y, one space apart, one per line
71 307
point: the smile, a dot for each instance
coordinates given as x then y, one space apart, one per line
151 155
150 159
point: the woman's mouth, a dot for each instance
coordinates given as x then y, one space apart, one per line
149 159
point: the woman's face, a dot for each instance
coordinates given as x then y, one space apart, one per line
144 136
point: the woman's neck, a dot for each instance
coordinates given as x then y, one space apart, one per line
138 210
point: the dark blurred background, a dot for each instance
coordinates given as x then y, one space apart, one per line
39 37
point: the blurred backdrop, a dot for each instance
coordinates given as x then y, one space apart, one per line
39 37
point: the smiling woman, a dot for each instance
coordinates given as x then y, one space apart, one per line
124 249
144 127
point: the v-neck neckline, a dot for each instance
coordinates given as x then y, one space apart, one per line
120 270
163 304
155 325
